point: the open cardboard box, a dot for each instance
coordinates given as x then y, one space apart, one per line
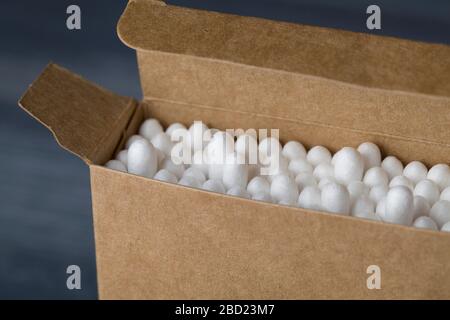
156 240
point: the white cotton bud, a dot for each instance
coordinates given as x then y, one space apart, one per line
258 185
392 166
399 206
235 171
150 128
425 223
189 181
122 156
381 208
284 188
176 131
299 165
247 145
371 155
198 135
207 137
213 131
219 147
446 227
415 171
160 156
238 191
378 192
116 165
401 181
304 179
262 197
336 199
176 169
180 135
362 206
196 173
440 212
214 185
180 153
200 162
376 176
357 189
142 158
440 174
275 165
323 182
268 147
165 175
310 198
317 155
132 139
421 207
323 170
364 212
427 189
293 150
445 194
161 141
348 166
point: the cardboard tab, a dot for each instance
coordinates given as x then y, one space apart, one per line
357 58
81 115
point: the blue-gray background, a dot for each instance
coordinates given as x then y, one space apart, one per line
45 204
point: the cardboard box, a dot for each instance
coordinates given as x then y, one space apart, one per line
156 240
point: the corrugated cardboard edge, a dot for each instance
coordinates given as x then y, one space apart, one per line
82 116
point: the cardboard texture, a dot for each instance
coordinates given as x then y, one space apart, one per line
156 240
84 118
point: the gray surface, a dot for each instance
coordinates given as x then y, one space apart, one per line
46 215
45 207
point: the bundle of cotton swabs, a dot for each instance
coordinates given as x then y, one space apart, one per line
353 181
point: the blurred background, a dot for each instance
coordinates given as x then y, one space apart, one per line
45 204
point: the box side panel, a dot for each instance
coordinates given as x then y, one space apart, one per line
309 133
368 60
295 97
160 241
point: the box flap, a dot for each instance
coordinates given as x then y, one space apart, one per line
336 79
81 115
367 60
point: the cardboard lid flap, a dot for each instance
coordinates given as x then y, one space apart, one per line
80 114
357 58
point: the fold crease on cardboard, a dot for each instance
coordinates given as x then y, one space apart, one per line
84 118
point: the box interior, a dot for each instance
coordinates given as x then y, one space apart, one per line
310 134
318 86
